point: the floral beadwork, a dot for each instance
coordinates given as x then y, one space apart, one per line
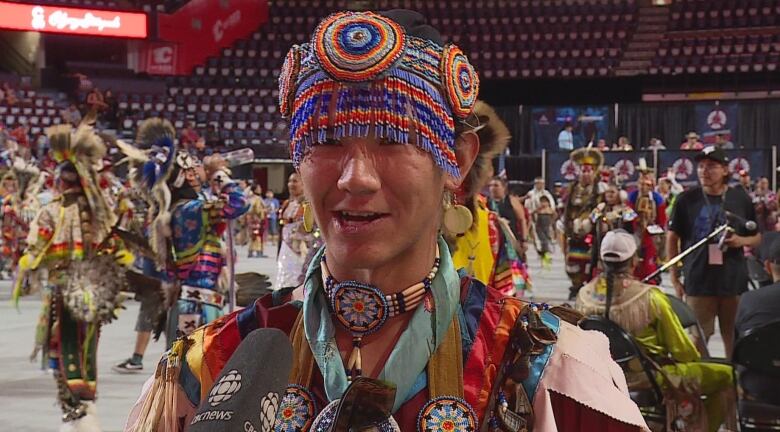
460 81
360 308
447 414
296 411
358 47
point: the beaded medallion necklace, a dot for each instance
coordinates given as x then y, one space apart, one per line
363 309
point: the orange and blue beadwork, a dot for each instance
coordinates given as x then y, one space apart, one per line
362 75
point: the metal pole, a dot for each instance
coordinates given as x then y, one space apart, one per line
231 268
685 253
544 167
774 167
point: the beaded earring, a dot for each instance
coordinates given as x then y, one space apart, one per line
457 218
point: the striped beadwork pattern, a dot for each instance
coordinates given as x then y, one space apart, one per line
362 76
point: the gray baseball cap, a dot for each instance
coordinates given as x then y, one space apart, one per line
617 246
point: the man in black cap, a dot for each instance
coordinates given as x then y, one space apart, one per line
715 274
757 309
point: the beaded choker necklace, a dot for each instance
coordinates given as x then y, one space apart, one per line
363 309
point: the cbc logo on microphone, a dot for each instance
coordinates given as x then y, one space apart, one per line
225 388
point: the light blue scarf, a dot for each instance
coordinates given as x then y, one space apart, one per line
410 355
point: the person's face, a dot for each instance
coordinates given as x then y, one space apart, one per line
269 194
711 173
622 141
611 196
744 180
692 140
764 183
373 199
539 185
663 187
587 174
645 187
193 178
497 190
602 143
294 185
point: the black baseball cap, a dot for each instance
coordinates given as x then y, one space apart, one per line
712 153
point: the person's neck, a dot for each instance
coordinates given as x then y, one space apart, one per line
399 273
715 189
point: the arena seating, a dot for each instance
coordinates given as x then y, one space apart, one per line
720 36
35 110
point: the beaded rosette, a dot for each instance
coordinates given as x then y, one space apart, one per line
296 410
444 414
361 73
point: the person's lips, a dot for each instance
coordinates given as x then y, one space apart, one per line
355 221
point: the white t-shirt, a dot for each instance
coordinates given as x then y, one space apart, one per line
565 140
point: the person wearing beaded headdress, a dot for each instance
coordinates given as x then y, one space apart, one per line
373 103
187 231
74 242
583 196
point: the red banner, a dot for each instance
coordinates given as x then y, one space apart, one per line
74 21
201 28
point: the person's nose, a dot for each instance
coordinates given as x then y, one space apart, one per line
359 175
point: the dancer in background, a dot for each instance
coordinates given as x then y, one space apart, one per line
85 265
295 240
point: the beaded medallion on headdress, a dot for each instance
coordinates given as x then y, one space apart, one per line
363 74
358 47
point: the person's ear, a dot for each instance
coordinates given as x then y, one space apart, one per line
466 151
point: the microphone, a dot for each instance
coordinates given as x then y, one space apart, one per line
743 223
246 395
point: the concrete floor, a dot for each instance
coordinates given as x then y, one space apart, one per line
27 394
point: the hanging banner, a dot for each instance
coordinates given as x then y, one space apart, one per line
757 163
201 28
714 119
624 165
72 21
588 123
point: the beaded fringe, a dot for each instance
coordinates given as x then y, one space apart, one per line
387 108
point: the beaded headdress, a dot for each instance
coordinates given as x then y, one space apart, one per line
362 73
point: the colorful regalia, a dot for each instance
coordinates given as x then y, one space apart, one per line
582 198
85 263
254 221
19 207
487 249
187 231
468 358
649 228
646 313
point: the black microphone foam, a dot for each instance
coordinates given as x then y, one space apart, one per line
247 393
745 223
